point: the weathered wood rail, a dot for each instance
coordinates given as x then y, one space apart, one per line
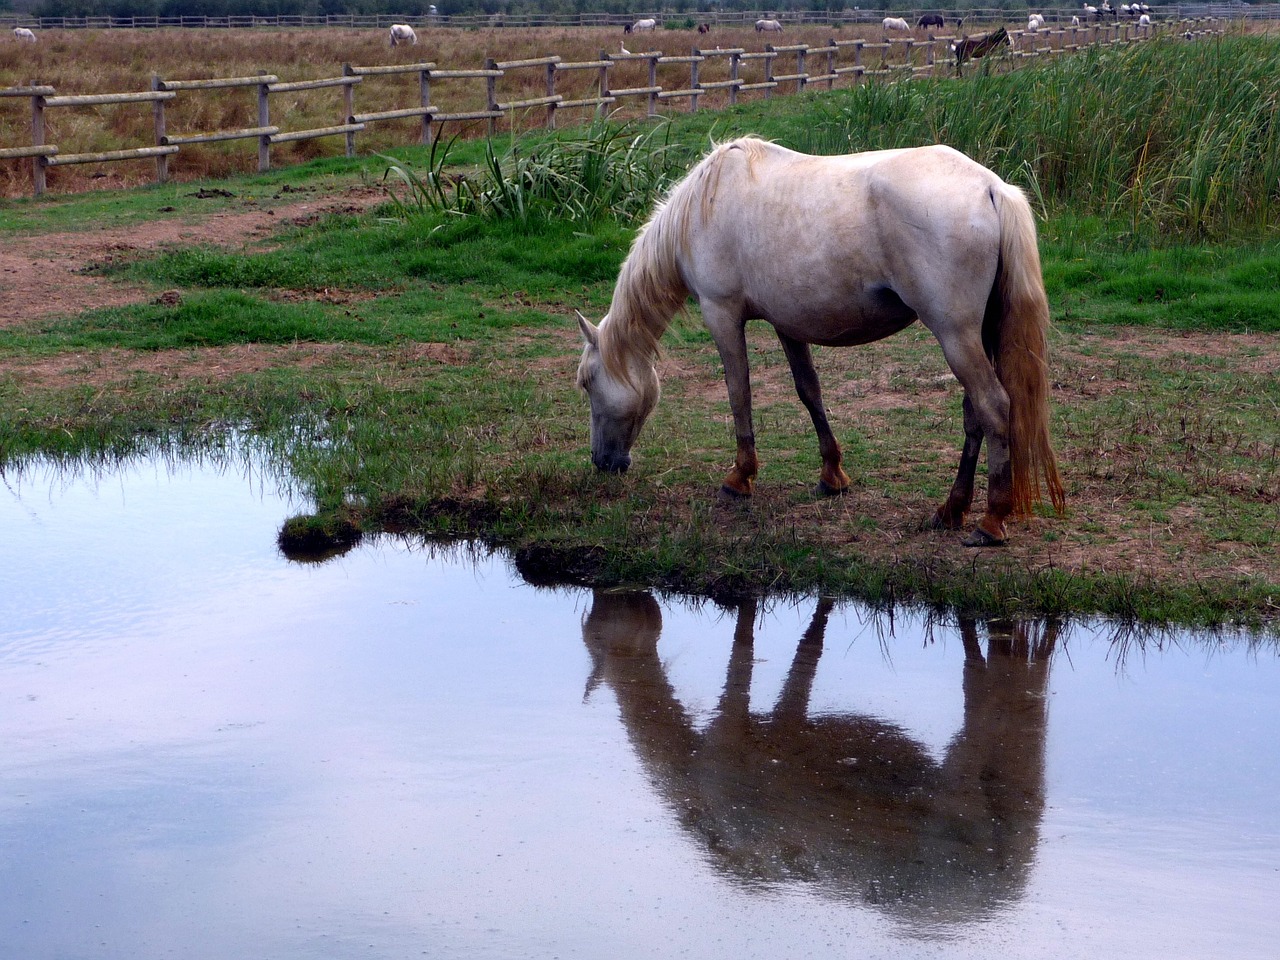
789 68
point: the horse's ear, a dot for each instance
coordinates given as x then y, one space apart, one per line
589 332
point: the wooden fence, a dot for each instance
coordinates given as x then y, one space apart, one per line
775 69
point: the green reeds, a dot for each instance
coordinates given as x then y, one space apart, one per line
606 172
1175 138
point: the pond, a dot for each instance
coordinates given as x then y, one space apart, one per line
213 752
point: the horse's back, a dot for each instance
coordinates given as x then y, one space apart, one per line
843 242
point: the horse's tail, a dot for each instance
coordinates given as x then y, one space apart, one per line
1021 355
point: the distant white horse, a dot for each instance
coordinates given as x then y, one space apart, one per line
403 33
841 251
896 23
643 26
24 35
1035 22
768 26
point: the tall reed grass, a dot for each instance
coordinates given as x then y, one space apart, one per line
1174 137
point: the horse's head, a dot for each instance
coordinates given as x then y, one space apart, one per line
621 399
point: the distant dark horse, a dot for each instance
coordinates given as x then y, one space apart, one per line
931 20
970 48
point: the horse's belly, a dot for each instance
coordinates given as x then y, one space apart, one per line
862 317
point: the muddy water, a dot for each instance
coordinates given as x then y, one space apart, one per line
212 752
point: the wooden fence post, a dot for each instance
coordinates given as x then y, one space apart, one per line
551 92
491 93
653 82
264 120
157 106
349 108
832 51
857 61
694 83
604 84
768 72
734 62
424 89
39 163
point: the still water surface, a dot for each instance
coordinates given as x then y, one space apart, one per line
212 752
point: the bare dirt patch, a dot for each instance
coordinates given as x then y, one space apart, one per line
50 274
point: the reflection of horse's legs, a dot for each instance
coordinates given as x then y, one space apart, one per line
951 514
832 479
729 332
793 702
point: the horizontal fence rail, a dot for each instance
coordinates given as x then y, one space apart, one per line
725 18
663 79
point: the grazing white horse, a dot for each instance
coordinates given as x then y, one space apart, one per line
1035 22
403 33
24 35
896 23
643 26
841 251
768 26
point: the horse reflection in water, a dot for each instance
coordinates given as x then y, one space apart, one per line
847 802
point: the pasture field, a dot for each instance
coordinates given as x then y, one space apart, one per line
116 61
410 369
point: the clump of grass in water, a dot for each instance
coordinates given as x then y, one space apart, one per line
606 173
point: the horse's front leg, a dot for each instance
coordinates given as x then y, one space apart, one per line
730 336
831 479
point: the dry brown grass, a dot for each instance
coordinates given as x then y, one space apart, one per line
119 61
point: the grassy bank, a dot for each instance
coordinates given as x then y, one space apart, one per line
413 369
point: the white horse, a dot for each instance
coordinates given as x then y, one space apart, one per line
24 35
841 251
1035 22
643 26
768 26
403 33
895 23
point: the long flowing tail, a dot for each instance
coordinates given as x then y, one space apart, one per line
1022 356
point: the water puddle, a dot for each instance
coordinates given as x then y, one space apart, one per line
213 752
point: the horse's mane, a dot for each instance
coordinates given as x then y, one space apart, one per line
650 288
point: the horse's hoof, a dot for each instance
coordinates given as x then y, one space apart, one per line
936 521
728 493
980 538
824 489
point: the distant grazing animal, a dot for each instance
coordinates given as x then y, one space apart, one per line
895 23
403 33
931 20
24 35
704 28
1144 20
971 48
1035 22
768 26
642 26
841 251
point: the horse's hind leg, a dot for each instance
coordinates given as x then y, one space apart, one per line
832 479
950 516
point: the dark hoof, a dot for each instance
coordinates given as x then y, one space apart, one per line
824 489
936 521
980 538
728 493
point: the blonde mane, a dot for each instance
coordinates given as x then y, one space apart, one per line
650 289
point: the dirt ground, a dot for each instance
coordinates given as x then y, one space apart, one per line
52 275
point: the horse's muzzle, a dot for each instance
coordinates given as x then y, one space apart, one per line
612 462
